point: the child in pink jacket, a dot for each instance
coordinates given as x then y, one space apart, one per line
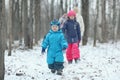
71 30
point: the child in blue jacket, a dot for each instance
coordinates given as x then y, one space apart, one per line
55 44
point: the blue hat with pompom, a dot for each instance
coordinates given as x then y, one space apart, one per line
55 22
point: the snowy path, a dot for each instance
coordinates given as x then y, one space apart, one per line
97 63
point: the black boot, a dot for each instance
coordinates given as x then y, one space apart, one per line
59 72
53 70
77 60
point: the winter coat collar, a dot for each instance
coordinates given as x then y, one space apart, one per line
71 20
59 31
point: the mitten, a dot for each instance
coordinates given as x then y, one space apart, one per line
64 48
43 51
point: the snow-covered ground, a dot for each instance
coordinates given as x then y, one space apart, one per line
97 63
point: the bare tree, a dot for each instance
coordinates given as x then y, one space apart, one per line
103 23
46 16
28 23
14 21
114 19
85 14
118 30
52 10
10 26
25 21
96 23
2 49
37 20
109 19
4 23
61 8
20 22
57 9
66 6
30 26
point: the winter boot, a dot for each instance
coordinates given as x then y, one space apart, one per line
53 70
59 72
77 60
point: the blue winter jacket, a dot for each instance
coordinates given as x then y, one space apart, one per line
72 32
55 42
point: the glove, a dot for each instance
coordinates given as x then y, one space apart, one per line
43 51
64 49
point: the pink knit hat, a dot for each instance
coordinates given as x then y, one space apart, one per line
71 13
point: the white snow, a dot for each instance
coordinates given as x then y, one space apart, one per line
97 63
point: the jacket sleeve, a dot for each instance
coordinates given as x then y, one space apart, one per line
45 42
64 27
78 32
64 43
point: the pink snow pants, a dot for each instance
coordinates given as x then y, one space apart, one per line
72 51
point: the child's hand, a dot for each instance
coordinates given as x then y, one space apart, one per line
43 51
64 50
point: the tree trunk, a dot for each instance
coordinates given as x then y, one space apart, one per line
61 8
37 21
20 22
57 8
2 66
4 23
114 22
103 23
10 26
66 6
75 3
25 21
70 5
47 17
85 14
118 30
52 10
16 21
30 26
96 21
109 19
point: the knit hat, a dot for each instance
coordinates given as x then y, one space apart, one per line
71 13
55 22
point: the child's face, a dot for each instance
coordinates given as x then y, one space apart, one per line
55 28
72 17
